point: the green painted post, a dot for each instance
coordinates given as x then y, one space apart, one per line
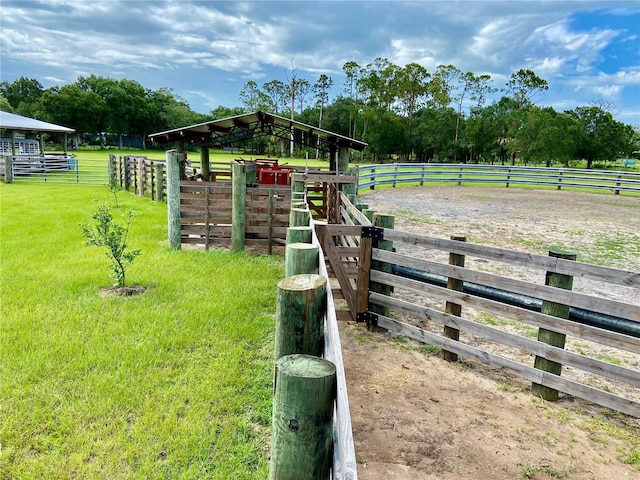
301 258
302 425
238 206
173 198
205 169
301 305
299 217
550 337
299 235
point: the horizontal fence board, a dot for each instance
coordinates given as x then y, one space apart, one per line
536 319
551 264
544 292
576 389
532 347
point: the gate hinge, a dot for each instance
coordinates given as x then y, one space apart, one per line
368 317
376 233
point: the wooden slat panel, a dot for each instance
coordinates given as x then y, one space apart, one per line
336 265
542 262
586 332
576 389
359 217
552 294
323 178
533 347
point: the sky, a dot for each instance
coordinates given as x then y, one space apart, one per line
587 51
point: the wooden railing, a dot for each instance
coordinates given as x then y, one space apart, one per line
371 176
410 311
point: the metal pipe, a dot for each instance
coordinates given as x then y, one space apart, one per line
579 315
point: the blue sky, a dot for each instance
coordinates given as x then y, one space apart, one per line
588 51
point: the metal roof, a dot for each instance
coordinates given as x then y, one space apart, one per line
11 121
228 131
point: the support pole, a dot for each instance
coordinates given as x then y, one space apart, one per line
302 426
205 169
238 207
300 308
173 199
8 169
142 176
555 339
450 307
112 168
301 258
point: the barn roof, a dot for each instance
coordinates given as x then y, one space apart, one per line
228 131
11 121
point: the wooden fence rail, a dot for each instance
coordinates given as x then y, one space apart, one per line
406 315
370 176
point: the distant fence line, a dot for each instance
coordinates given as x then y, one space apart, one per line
371 176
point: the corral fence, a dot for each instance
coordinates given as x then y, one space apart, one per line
384 276
53 168
393 174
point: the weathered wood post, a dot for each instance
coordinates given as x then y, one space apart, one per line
127 173
382 221
8 169
142 177
450 307
300 308
112 168
238 206
205 169
557 280
373 180
159 173
299 235
301 258
173 199
302 425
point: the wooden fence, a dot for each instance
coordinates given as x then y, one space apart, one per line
370 176
414 309
206 214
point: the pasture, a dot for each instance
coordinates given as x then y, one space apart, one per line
173 383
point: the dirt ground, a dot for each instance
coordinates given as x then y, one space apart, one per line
418 417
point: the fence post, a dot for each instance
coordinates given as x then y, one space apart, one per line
207 218
459 176
299 234
508 177
141 176
450 307
8 169
299 217
560 180
382 221
127 174
302 426
373 180
238 206
301 258
422 175
300 309
173 199
617 190
555 339
395 174
159 182
112 167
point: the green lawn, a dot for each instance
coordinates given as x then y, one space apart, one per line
173 383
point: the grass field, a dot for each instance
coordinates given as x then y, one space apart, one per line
173 383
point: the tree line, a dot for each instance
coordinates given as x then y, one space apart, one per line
404 113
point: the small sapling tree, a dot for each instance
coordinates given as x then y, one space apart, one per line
107 233
114 188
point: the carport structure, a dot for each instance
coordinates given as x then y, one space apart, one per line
232 130
12 123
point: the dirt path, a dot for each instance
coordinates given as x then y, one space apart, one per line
417 417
